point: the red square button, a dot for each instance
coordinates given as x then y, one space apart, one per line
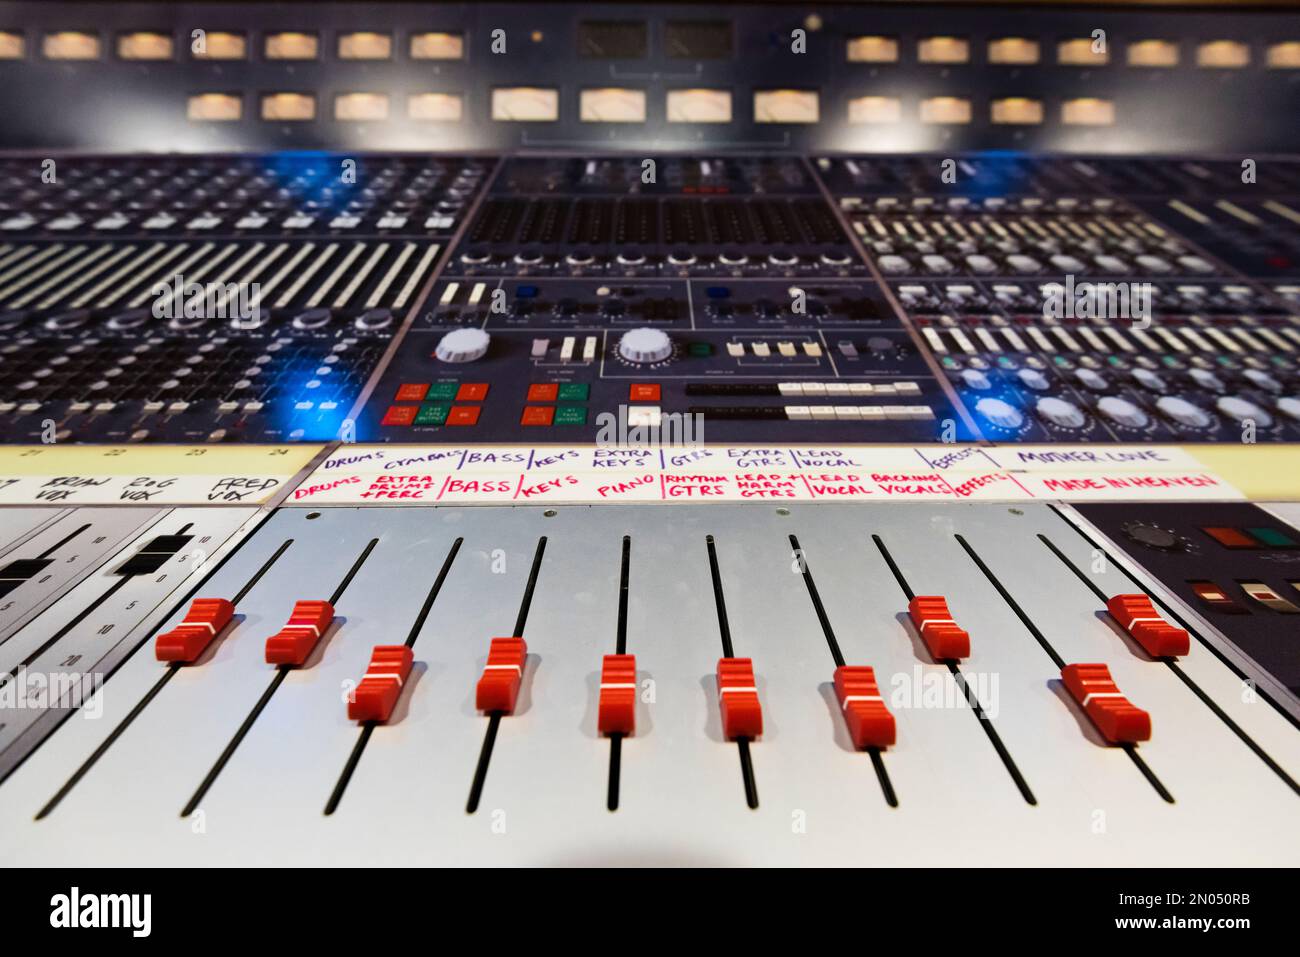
472 392
412 392
400 415
543 391
644 392
537 415
463 415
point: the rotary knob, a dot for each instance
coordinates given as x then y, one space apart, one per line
1154 536
1182 412
645 345
1241 410
1289 405
1149 380
1091 380
1263 380
1000 413
1206 380
974 379
1032 379
1060 412
463 345
1122 412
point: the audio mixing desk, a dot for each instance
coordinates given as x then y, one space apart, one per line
606 434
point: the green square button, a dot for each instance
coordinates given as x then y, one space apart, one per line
571 414
574 392
442 390
432 414
701 350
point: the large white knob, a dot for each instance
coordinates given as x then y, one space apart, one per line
1240 410
1263 380
1033 379
463 345
1060 412
1183 412
645 345
1122 412
1002 414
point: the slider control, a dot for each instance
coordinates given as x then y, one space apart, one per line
617 712
188 640
1118 720
869 721
498 689
940 633
742 715
1137 616
293 643
376 696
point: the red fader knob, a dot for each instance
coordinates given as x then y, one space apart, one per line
205 618
498 689
870 723
376 696
742 715
940 633
617 713
1118 721
293 643
1139 618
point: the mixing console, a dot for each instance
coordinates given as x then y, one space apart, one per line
767 435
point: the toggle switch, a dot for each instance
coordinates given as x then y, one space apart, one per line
869 721
940 633
1137 616
617 711
376 696
202 622
1119 721
742 715
498 689
293 643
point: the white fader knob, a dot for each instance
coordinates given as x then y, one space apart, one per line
463 345
645 345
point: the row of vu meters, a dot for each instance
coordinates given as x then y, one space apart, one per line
832 299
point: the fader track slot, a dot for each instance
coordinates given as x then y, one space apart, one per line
368 727
620 648
1180 674
1129 748
968 693
877 756
167 676
495 716
728 654
281 672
